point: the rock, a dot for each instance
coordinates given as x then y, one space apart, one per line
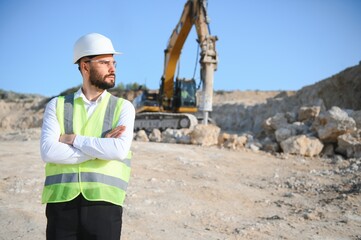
282 134
235 142
222 138
332 124
291 117
289 130
240 141
308 113
170 135
141 135
155 135
185 136
254 147
205 135
252 143
349 144
356 115
328 150
230 116
277 121
270 146
176 136
302 145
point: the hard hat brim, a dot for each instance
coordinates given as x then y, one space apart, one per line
114 53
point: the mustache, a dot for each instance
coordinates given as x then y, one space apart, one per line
110 75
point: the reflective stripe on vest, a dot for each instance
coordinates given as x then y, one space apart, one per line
68 113
96 179
87 177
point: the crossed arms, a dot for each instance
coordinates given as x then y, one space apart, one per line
74 149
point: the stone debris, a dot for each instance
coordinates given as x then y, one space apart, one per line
176 136
232 141
316 133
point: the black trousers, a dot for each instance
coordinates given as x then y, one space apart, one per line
83 219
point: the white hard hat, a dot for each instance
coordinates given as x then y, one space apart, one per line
92 44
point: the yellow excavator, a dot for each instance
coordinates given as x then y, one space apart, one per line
174 105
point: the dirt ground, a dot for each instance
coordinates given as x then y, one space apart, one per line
202 193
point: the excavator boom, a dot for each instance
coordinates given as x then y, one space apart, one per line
177 97
194 13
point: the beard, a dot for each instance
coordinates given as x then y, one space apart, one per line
99 81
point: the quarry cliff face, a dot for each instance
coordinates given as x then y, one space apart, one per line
342 90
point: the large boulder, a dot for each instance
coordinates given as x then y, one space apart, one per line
141 136
302 145
349 144
333 123
155 135
205 135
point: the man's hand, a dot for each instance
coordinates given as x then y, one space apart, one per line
116 132
67 138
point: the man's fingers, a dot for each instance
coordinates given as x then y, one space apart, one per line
116 132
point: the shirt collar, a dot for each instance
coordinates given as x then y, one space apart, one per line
80 93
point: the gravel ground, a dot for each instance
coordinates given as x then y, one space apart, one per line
190 192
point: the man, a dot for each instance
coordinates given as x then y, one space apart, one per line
85 142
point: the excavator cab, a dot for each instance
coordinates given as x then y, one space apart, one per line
185 94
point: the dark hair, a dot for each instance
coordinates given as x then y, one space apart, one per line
90 57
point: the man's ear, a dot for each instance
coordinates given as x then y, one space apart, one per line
84 66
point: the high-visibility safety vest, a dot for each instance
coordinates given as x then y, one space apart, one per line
96 179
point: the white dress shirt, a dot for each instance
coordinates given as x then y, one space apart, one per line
84 148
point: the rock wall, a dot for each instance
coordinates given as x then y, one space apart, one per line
20 111
342 90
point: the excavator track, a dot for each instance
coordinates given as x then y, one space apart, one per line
150 120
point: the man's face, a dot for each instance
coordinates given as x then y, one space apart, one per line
102 71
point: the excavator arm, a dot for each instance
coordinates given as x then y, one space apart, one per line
175 103
194 13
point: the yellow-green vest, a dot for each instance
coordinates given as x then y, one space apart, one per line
96 179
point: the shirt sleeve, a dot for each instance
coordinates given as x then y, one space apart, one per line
53 151
110 148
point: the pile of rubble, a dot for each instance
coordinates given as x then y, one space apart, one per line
203 135
308 132
311 133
